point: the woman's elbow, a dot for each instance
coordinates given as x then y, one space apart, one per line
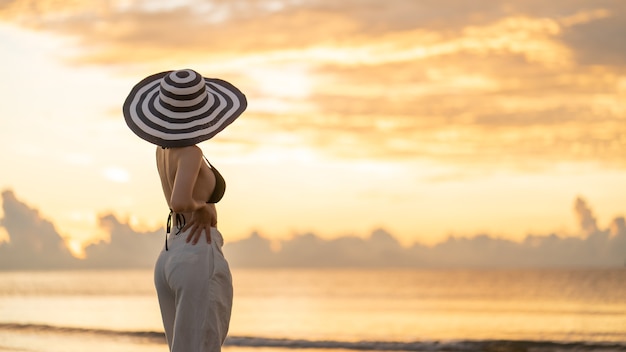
182 206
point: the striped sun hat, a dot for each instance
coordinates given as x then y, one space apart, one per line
181 108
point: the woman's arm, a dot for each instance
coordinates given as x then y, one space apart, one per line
204 216
189 161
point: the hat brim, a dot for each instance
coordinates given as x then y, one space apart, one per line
147 118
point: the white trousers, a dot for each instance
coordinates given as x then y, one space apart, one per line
195 291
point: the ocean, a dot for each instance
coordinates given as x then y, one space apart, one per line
329 310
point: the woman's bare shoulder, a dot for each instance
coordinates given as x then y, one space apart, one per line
192 150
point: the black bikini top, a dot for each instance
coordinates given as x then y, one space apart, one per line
220 184
216 196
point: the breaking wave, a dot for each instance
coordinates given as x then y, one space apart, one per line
249 341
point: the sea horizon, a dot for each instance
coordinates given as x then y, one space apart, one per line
326 309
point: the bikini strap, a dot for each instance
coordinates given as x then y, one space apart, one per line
207 161
180 219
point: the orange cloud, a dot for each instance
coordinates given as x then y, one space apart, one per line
471 82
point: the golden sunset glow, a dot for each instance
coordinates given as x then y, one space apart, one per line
427 121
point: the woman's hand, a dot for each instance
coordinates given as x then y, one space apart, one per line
201 219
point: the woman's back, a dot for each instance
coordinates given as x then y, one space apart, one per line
186 179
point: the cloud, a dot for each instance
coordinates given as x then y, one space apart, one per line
126 247
594 247
308 250
115 33
252 251
453 81
586 220
598 42
35 244
108 29
34 241
599 249
596 250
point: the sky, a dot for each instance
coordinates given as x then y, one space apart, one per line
427 120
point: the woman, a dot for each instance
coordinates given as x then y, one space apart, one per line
177 110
